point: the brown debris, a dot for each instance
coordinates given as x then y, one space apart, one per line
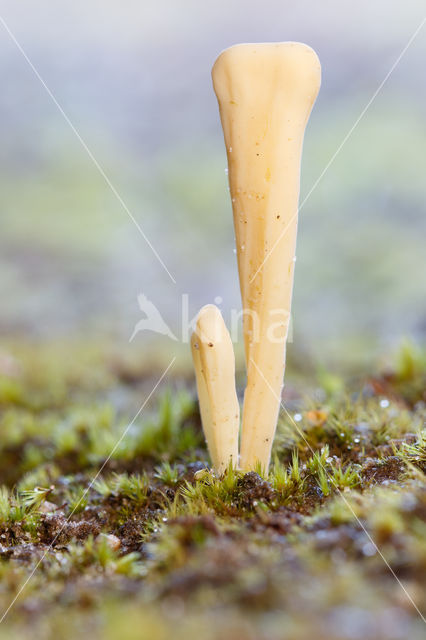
383 471
252 489
280 522
56 530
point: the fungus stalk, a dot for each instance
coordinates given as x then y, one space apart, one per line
214 364
265 94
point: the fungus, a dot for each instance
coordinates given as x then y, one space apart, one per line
214 365
265 94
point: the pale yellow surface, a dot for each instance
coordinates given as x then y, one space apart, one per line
265 94
214 363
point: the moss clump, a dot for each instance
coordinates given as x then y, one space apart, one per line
330 544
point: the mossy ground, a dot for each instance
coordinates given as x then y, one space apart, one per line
331 544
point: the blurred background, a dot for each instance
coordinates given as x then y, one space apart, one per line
134 81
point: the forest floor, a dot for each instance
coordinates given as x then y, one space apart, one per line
331 544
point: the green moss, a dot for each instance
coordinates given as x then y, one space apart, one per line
158 543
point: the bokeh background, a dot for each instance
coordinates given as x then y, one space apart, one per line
134 80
